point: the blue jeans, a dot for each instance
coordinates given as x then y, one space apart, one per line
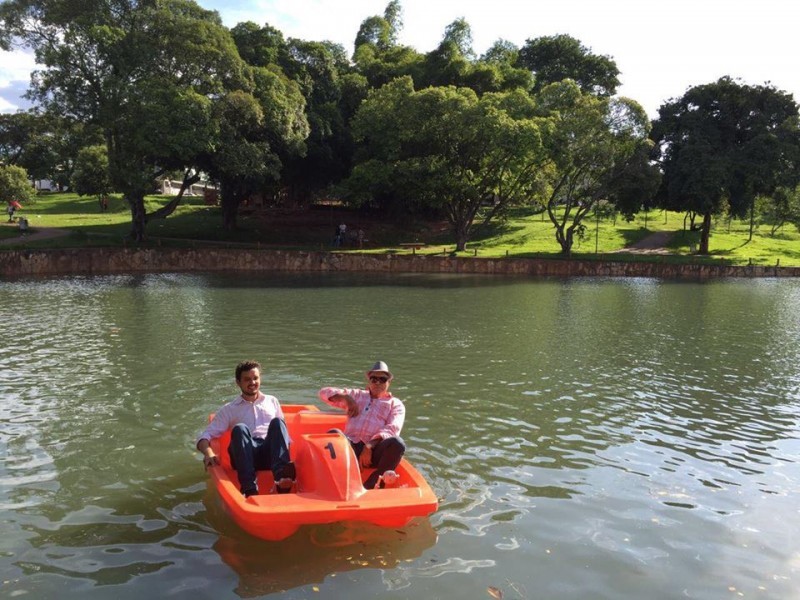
249 454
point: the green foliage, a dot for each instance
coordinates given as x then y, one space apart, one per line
722 144
781 209
597 150
459 33
259 46
167 88
446 150
90 177
46 145
144 73
14 185
501 52
555 58
255 130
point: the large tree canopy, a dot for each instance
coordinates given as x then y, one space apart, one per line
558 57
597 149
724 143
146 74
445 149
255 130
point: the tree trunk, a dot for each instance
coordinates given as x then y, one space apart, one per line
231 196
705 233
138 216
169 207
565 239
461 235
230 211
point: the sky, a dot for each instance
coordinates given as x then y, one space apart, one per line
662 48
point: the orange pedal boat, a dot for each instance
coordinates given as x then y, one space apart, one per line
329 485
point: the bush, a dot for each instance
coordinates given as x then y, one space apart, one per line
14 185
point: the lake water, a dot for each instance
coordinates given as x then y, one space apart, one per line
587 438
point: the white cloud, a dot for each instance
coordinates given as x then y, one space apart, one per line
15 71
15 65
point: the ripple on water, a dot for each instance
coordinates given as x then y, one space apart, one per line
584 435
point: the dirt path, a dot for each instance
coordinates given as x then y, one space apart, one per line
655 243
39 233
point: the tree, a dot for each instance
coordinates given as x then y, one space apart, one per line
321 70
377 55
459 33
501 52
44 144
393 14
782 208
90 177
15 132
597 149
722 144
555 58
146 74
14 185
254 131
260 46
447 150
375 31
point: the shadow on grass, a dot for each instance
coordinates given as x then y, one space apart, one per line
635 234
193 223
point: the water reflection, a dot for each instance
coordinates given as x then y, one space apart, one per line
315 553
635 438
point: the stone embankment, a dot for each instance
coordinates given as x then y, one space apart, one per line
100 261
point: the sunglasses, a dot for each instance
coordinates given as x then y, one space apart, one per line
374 379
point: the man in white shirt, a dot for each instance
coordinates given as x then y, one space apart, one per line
259 439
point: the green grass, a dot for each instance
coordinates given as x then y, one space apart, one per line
523 234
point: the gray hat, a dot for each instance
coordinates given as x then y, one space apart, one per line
380 367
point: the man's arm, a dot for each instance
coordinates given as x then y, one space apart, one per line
218 426
340 398
209 458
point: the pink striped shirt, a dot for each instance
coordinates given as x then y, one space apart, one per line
377 418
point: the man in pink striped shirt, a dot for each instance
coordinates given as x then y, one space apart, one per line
375 418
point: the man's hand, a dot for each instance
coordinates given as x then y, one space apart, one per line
352 407
209 458
350 404
366 457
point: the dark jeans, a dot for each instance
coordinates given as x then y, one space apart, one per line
386 456
249 454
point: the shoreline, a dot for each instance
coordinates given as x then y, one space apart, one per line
106 261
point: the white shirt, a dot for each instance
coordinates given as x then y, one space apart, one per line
256 415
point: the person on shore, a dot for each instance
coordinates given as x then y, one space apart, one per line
374 420
259 439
